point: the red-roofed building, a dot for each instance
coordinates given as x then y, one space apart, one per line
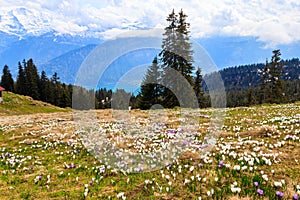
1 89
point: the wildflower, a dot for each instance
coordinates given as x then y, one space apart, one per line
265 177
221 164
121 195
295 197
37 178
191 168
277 184
235 190
260 192
86 190
102 169
237 167
48 178
280 194
255 184
186 181
208 193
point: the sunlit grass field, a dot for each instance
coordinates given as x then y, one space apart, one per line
18 105
257 156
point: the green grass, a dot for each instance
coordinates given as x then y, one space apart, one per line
48 156
14 104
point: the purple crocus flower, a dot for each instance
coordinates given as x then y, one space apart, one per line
221 164
171 131
295 197
280 194
260 192
255 184
91 183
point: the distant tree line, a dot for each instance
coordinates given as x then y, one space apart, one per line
271 85
51 90
39 87
277 81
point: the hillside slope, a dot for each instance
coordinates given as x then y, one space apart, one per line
14 104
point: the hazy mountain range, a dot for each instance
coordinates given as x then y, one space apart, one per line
20 38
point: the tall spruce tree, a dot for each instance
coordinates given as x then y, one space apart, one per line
276 67
150 89
32 80
184 48
271 79
176 55
65 99
21 80
264 81
202 101
54 89
6 80
44 87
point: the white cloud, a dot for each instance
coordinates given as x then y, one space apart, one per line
274 22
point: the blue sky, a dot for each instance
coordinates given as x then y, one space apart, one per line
273 22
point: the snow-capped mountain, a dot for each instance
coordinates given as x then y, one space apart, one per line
23 22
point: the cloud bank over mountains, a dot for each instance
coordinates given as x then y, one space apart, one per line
273 22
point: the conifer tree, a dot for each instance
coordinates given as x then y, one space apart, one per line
21 81
65 99
271 75
199 90
176 55
54 89
184 48
150 89
44 89
32 79
6 80
276 67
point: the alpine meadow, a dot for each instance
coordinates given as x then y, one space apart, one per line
150 100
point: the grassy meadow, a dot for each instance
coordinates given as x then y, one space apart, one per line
257 156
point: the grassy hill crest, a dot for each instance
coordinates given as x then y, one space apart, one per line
14 104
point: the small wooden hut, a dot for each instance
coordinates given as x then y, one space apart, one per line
1 89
